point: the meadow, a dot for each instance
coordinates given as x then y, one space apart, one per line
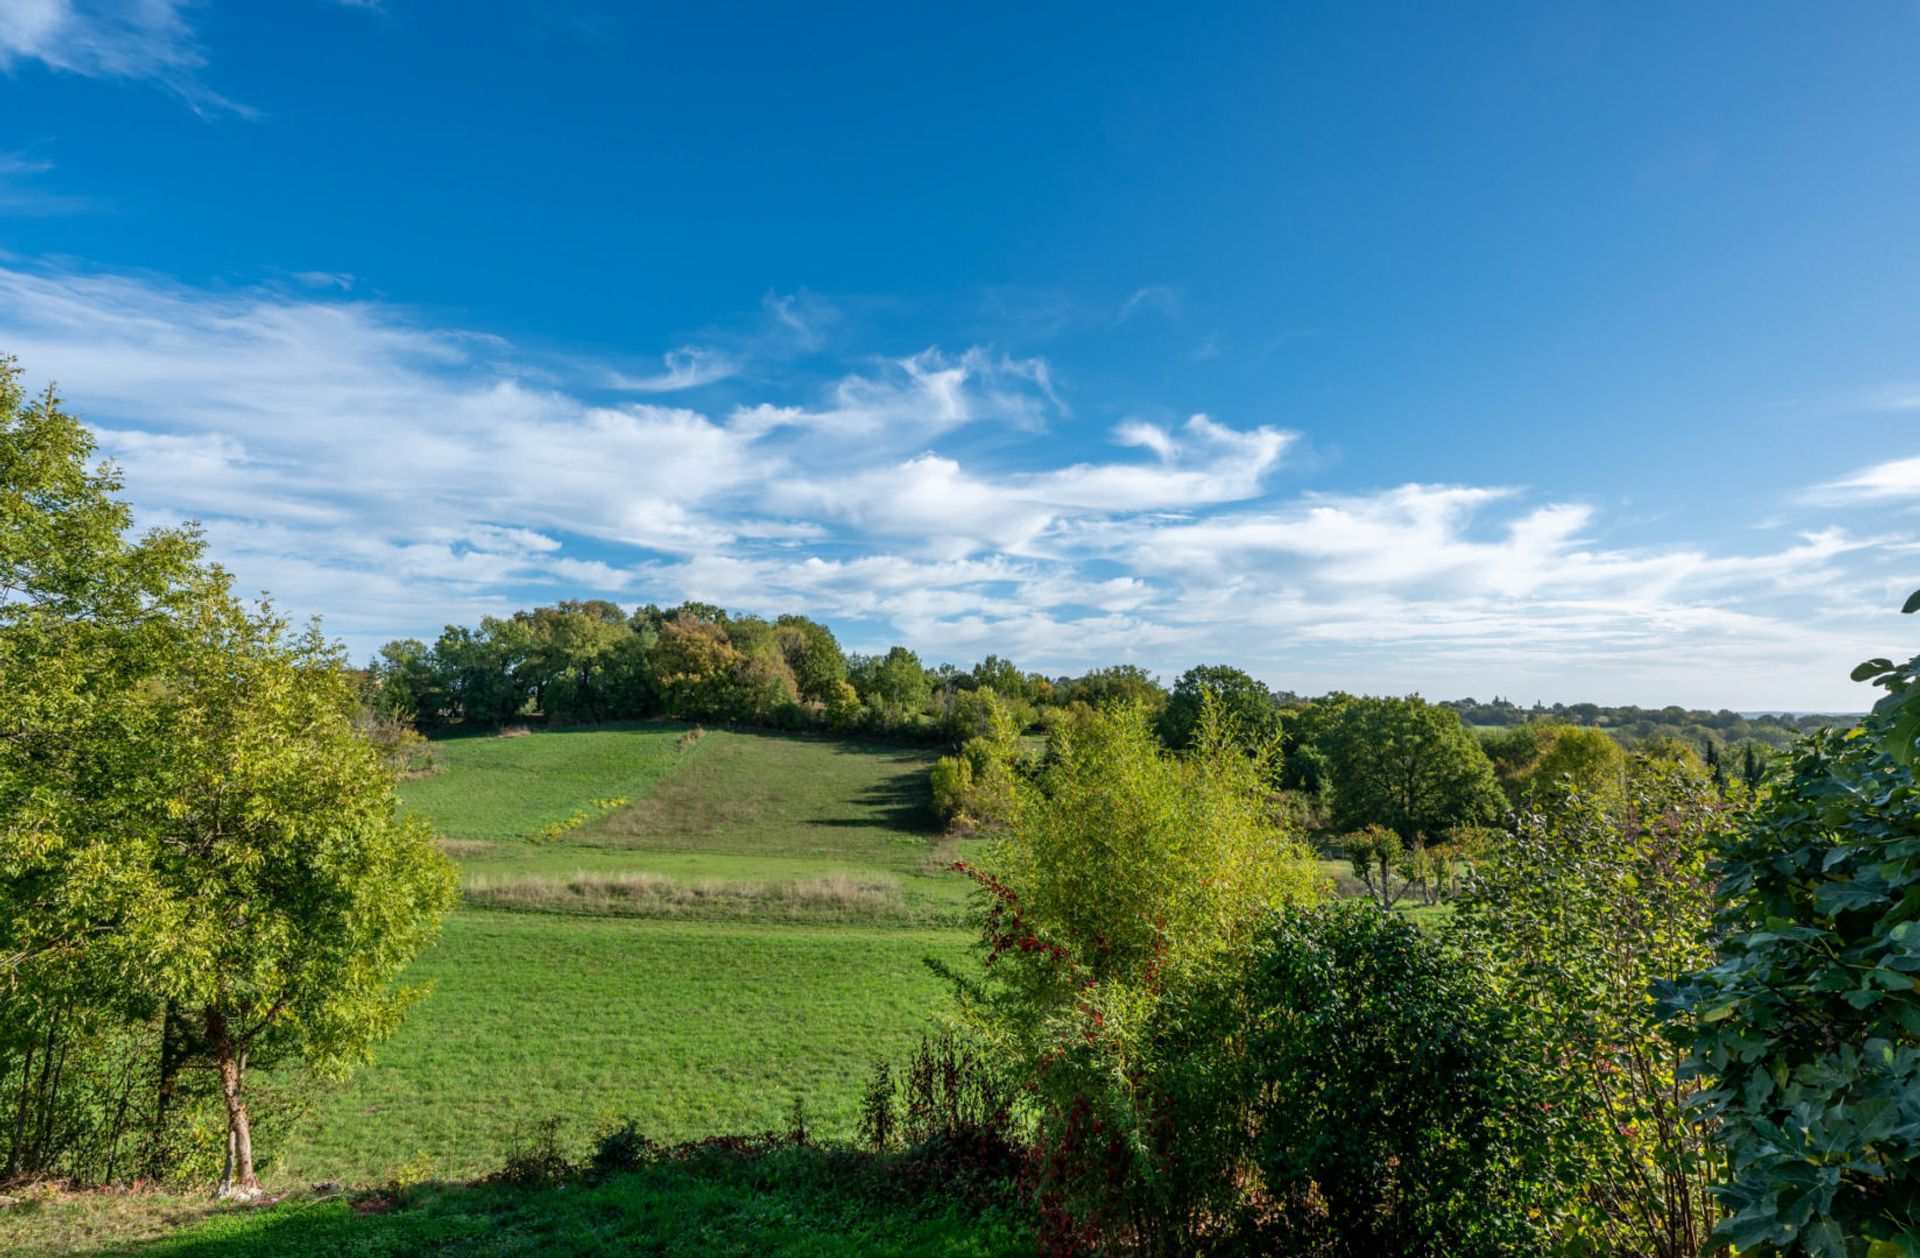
729 981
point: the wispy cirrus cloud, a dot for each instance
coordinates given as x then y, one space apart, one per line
150 40
688 367
23 193
1150 297
1895 478
362 462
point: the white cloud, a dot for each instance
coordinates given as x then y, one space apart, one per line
397 476
1897 478
130 39
688 367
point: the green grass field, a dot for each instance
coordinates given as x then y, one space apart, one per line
689 1028
693 1014
798 1203
492 788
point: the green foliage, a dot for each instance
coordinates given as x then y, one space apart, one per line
1129 881
894 687
952 783
1376 853
1549 756
1390 1117
975 789
813 656
291 890
1805 1032
1111 686
1588 761
1575 918
197 830
1241 698
980 713
1407 765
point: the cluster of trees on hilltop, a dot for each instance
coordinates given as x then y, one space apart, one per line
588 661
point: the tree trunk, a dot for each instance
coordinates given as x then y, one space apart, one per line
237 1179
17 1146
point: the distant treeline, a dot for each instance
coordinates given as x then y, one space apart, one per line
584 661
1634 725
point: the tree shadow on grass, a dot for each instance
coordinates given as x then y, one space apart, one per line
902 802
784 1205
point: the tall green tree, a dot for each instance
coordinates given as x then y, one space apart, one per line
895 686
813 655
191 819
88 618
1583 759
292 888
1407 765
1242 698
1117 684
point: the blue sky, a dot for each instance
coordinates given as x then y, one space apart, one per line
1561 351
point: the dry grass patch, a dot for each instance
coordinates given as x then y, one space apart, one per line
45 1221
832 897
460 848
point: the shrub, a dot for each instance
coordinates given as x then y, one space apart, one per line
537 1156
1575 918
1805 1031
878 1127
1125 888
952 783
621 1148
1389 1117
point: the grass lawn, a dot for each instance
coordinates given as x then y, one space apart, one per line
752 794
496 788
690 1025
688 1028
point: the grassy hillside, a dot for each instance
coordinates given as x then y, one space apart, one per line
747 928
492 788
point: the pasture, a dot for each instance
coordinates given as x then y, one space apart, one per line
749 927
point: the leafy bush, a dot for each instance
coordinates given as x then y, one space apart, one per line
1390 1116
537 1156
621 1148
1575 917
1112 912
1806 1030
